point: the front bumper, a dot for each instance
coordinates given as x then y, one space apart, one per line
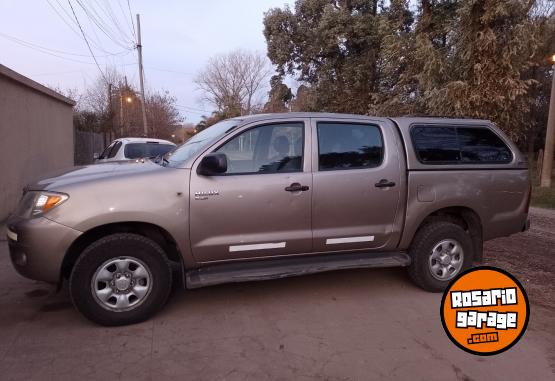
38 246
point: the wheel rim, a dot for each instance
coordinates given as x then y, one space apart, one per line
121 284
446 259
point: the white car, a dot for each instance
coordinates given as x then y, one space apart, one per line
134 148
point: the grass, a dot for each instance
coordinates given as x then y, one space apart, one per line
541 197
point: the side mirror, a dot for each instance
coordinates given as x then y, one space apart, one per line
212 164
96 156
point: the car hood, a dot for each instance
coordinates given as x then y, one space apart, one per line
82 174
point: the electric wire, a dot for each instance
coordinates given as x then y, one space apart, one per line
69 17
87 42
44 49
103 27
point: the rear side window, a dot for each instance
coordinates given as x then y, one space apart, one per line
459 145
436 144
349 146
481 145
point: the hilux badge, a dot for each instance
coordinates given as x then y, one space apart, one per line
204 195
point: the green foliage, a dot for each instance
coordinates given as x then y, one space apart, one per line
461 58
279 96
485 60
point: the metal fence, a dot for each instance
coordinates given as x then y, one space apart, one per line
86 145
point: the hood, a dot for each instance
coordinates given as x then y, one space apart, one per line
75 175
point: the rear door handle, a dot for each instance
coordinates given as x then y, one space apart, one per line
384 183
296 187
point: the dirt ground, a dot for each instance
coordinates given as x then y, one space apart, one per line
369 324
531 258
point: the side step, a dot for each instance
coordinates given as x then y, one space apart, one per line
288 267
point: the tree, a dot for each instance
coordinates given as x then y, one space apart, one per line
459 58
331 46
234 82
162 115
396 86
483 77
116 110
279 97
544 29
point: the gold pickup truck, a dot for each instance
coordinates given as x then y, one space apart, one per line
269 196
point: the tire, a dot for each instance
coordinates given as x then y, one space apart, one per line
120 279
433 245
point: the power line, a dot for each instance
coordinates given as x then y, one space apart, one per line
132 21
88 45
115 20
169 70
188 108
54 54
104 28
69 17
56 73
44 49
124 14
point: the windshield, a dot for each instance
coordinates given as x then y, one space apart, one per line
198 142
140 150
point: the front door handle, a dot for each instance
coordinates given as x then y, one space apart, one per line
384 183
296 187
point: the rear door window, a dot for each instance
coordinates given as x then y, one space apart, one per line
459 145
344 146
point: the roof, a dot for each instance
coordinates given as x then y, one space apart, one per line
260 117
27 82
256 117
144 140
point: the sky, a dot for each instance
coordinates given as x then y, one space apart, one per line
41 40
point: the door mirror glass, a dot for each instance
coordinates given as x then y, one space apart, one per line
212 164
95 156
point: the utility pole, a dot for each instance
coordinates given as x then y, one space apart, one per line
547 168
120 112
111 113
140 53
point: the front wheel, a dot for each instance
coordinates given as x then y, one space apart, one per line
120 279
439 252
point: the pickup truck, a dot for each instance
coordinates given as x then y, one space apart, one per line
270 196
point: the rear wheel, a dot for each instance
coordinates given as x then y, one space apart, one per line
439 252
120 279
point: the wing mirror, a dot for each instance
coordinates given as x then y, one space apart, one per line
212 164
96 156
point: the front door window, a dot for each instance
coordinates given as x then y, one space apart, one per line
274 148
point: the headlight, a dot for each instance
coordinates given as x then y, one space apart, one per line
35 203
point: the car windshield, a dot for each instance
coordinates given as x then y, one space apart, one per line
147 149
198 142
